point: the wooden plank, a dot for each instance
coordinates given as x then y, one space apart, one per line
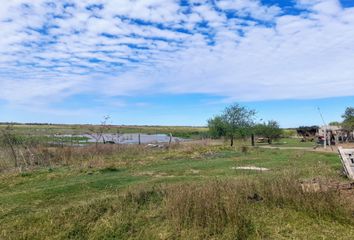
347 158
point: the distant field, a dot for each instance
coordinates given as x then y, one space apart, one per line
177 131
190 191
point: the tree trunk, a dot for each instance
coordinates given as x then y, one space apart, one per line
232 141
252 140
14 155
269 141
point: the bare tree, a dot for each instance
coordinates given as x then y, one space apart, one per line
97 133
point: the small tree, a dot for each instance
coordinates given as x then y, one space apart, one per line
269 130
235 122
348 122
98 132
335 124
348 119
217 127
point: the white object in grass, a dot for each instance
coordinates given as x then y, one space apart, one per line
251 168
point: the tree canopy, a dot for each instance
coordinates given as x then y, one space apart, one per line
235 122
348 119
217 127
269 130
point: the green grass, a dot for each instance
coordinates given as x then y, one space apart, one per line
138 196
289 142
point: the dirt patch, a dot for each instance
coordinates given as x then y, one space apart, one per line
146 173
194 171
317 149
153 174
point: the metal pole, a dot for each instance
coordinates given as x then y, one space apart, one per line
325 137
325 128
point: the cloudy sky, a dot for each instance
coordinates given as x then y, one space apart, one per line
175 62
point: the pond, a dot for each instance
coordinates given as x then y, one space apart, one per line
126 138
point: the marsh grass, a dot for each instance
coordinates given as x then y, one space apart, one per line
43 156
31 157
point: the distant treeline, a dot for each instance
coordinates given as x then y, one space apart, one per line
86 124
17 123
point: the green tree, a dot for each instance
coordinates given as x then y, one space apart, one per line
235 122
269 130
335 123
348 119
217 127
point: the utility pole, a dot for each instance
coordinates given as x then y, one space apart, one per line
325 129
325 137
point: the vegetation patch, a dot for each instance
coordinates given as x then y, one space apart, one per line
186 191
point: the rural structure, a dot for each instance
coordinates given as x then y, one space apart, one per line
335 134
347 158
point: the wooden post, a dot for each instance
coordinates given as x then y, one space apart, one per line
139 140
347 160
169 142
325 137
14 155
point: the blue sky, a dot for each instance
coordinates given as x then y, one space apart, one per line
175 62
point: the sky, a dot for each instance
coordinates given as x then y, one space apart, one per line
175 62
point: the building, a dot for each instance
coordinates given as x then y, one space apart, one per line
335 134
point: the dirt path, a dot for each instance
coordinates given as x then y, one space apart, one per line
333 149
286 148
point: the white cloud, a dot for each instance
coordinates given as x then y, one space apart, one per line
329 7
241 50
250 7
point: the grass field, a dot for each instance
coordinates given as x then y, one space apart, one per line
292 142
189 191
